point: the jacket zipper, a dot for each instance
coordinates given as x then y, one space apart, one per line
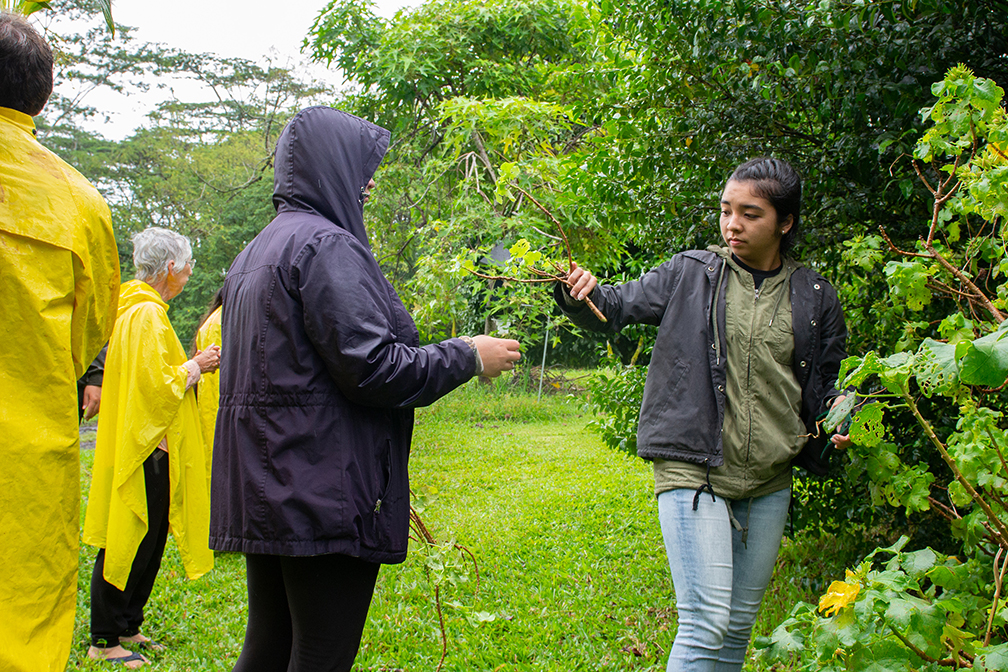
749 410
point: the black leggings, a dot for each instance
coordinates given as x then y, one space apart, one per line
119 613
306 614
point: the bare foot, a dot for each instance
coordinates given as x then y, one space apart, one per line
115 653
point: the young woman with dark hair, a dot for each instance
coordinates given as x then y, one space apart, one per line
748 349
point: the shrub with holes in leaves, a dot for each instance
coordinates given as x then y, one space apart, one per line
922 610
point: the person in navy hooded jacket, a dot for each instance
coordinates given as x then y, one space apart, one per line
321 372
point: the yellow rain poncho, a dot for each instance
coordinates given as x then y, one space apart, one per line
144 400
209 385
59 282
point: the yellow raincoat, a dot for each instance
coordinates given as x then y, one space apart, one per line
143 400
59 282
209 385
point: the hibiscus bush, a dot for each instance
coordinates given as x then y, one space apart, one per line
924 610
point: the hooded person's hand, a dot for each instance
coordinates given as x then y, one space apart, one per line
498 354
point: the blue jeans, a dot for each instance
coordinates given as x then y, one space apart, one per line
719 580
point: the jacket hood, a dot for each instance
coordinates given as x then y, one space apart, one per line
135 292
324 159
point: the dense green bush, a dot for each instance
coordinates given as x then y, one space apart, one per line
927 609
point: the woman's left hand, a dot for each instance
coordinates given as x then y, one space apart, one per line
92 401
840 441
209 359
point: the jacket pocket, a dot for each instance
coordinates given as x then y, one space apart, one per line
780 338
382 474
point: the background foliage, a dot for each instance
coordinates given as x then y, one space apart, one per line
621 121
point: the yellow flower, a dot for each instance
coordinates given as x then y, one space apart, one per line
839 595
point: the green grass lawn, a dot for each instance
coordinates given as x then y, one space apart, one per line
572 570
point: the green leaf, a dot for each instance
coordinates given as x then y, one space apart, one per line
784 642
906 186
937 367
944 577
867 428
838 413
908 283
854 370
29 8
106 7
992 658
520 249
895 548
919 562
958 494
986 362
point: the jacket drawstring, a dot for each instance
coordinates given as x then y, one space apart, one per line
717 351
713 312
706 486
737 525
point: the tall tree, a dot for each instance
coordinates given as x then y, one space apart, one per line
201 168
472 90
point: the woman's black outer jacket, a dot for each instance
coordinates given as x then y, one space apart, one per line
321 365
682 412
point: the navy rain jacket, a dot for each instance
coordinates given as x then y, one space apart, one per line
321 365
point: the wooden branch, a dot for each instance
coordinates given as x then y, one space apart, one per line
570 260
947 511
978 296
547 235
1001 531
997 499
939 286
940 200
922 178
511 278
444 635
896 250
483 154
948 662
418 524
549 214
991 390
475 564
995 148
546 278
981 297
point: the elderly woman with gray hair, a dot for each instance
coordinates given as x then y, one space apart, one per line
151 465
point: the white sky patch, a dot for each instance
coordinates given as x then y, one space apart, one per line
252 29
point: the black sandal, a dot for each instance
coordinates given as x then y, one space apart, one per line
126 659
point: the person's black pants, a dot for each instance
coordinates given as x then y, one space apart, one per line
119 613
306 614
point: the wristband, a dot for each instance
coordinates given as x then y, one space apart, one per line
472 346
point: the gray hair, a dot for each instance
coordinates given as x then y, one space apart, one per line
154 247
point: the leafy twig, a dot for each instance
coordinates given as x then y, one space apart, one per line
1000 531
423 534
997 593
545 278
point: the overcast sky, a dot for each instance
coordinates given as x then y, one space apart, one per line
246 28
249 29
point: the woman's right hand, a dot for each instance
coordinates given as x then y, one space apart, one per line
209 359
497 354
582 282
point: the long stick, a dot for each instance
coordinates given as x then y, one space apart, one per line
546 278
